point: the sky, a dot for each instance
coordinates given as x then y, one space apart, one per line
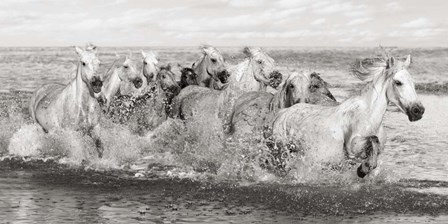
336 23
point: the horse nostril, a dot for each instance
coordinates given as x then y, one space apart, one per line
138 83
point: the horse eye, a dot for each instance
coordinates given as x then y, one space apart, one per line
213 60
398 83
144 62
260 62
313 87
125 66
83 64
291 86
163 76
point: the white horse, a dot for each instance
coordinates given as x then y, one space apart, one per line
354 128
254 73
121 78
257 65
211 68
253 110
73 106
150 65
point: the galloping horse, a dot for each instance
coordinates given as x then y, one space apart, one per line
150 62
191 100
148 111
354 128
72 106
254 109
211 69
255 72
121 78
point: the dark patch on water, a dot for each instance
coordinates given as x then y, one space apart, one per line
299 200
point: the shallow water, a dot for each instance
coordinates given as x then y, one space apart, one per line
183 178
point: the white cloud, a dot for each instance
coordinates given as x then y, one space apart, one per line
393 7
318 21
358 21
246 3
421 22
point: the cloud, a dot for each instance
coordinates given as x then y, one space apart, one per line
421 22
318 21
393 7
358 21
245 3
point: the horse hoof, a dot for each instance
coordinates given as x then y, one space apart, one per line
360 173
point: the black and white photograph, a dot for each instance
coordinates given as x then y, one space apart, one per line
223 111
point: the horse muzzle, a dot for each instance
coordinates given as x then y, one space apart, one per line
415 112
138 82
96 84
223 76
275 78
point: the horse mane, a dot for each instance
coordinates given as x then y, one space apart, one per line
283 98
251 51
117 63
369 69
318 78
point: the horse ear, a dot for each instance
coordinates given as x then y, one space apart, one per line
180 66
156 55
168 67
143 53
247 52
79 50
408 61
390 62
91 47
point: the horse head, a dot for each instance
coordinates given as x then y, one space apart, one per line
150 61
295 89
263 66
88 68
188 77
165 78
215 65
401 89
131 81
399 85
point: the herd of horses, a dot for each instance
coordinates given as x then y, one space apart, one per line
252 97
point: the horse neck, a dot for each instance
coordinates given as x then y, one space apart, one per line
82 91
374 100
200 69
112 85
277 101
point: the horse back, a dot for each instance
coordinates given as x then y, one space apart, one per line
250 112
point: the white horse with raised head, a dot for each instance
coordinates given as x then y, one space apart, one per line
354 128
72 106
211 69
258 64
150 65
121 78
253 110
254 73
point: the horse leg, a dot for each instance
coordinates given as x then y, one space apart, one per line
94 133
370 156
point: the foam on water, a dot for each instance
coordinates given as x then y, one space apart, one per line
195 149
